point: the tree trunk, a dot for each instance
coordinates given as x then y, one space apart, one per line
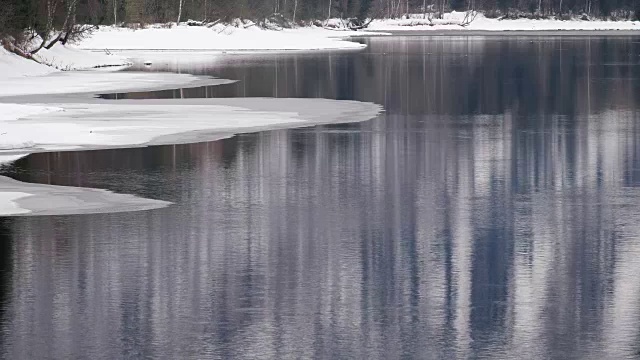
115 12
295 8
179 12
560 10
329 16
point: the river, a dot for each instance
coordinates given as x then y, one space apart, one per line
491 212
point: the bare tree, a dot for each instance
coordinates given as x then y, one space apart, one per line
179 11
51 33
295 9
49 36
470 15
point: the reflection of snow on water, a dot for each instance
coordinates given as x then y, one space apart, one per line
19 198
8 205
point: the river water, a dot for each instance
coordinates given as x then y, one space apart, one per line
492 212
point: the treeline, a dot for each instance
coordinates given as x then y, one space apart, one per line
155 11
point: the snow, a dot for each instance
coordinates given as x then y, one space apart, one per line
7 158
69 57
452 21
8 205
107 124
20 199
10 140
59 57
19 77
13 66
218 38
247 37
17 111
65 82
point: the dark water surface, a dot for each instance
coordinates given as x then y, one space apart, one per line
493 212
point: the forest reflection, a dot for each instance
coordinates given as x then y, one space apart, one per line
436 74
491 212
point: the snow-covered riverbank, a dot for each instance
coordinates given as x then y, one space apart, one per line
453 21
103 48
219 38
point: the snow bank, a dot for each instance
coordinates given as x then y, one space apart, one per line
217 38
14 66
68 57
59 57
452 21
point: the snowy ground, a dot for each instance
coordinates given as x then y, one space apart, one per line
452 21
52 61
219 38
